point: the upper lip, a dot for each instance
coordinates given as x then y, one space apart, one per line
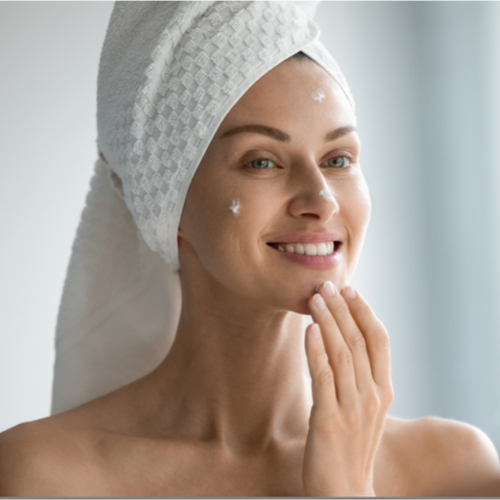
307 237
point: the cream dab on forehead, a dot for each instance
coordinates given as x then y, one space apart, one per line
326 194
318 95
235 207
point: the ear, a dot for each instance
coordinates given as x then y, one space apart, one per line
180 232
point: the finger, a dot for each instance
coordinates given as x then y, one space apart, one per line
322 382
353 337
339 354
377 339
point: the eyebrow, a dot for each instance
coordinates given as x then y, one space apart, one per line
282 136
258 129
339 132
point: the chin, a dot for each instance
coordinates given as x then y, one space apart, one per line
300 304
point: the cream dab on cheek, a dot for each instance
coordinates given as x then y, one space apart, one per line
318 95
235 207
326 194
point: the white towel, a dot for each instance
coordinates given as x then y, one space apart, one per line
169 74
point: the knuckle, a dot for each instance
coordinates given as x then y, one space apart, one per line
316 353
355 417
322 418
324 377
381 337
339 307
372 405
328 422
321 358
358 342
388 396
344 357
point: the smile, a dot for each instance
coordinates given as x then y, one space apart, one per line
323 248
320 256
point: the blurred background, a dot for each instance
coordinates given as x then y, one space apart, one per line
426 80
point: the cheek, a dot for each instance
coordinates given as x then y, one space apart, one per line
356 209
364 201
225 223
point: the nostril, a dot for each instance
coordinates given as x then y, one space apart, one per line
311 215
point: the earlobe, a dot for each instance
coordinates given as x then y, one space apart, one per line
180 233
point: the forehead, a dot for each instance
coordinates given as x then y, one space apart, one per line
294 88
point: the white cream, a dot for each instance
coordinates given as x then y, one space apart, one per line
324 248
318 95
235 207
326 194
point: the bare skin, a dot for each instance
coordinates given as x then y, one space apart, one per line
227 413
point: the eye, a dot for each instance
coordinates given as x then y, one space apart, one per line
261 164
337 162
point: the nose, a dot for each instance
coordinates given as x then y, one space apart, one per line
312 196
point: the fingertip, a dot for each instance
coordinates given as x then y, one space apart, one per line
329 289
349 292
314 331
312 334
318 302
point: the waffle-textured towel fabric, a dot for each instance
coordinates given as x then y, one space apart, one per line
169 73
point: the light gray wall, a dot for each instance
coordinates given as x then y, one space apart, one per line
425 77
49 52
374 45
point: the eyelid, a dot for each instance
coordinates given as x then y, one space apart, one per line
255 155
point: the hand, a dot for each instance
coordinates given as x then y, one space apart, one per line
348 354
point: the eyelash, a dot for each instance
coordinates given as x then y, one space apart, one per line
260 160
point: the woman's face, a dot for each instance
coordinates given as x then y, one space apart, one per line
282 172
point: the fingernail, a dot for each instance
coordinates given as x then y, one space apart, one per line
349 292
315 331
319 301
329 288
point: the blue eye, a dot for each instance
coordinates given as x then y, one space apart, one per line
261 164
338 162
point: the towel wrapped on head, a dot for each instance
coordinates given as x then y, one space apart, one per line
169 73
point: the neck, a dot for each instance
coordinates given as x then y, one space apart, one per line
235 373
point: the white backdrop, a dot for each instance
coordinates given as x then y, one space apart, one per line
425 77
49 52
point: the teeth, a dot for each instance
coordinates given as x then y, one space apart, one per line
321 249
325 248
299 248
311 249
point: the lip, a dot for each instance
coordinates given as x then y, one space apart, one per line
306 237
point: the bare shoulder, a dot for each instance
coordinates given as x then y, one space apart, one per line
39 459
444 457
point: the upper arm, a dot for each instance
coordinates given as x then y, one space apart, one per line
455 459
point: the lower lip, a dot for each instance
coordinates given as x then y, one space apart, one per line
319 262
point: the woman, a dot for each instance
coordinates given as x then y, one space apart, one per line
271 220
